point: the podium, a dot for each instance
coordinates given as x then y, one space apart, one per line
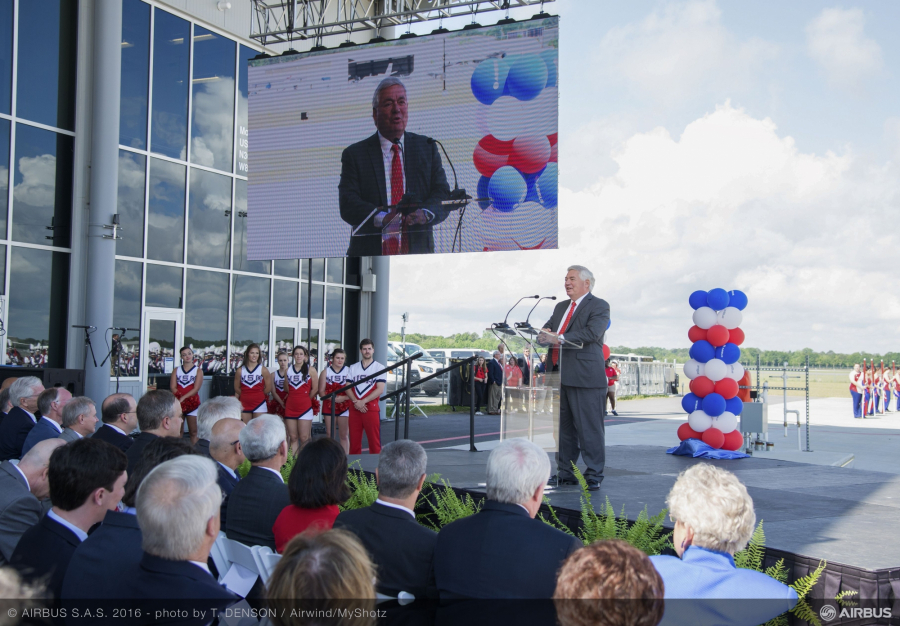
529 406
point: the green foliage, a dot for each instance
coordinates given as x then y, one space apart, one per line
244 468
446 506
287 467
751 557
842 598
363 489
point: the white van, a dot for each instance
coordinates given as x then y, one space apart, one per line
445 354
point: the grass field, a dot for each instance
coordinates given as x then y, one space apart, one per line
822 383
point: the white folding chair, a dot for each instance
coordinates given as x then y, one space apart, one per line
219 554
266 560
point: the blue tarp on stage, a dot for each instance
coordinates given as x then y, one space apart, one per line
698 449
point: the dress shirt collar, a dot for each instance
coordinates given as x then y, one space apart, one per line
117 429
578 301
387 143
276 472
80 436
78 532
54 424
202 566
31 415
124 508
231 471
27 484
395 506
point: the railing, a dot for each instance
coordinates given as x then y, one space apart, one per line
649 379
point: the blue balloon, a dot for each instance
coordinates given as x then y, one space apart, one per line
507 189
531 181
697 299
489 80
717 299
546 186
550 58
714 404
702 351
734 405
527 77
729 353
483 192
691 403
737 299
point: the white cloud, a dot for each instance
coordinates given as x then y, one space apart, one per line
837 41
730 203
38 184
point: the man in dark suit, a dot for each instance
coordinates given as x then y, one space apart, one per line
119 415
260 496
22 487
582 399
401 548
225 449
50 404
503 551
23 395
101 565
495 383
210 412
87 479
380 170
158 415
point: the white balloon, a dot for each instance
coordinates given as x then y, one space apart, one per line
715 370
699 421
726 422
704 318
735 372
693 369
729 317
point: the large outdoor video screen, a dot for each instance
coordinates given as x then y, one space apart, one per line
343 157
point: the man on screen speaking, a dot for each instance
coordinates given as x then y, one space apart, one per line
390 168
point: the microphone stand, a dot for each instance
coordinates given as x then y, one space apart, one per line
503 326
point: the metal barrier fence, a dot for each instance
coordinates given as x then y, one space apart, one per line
648 379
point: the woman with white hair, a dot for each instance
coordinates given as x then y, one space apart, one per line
714 518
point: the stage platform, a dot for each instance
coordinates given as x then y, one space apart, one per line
846 516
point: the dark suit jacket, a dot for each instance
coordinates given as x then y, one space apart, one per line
13 431
19 510
44 429
202 446
111 435
401 548
363 187
254 505
495 372
104 563
582 367
159 578
45 551
226 483
136 449
500 553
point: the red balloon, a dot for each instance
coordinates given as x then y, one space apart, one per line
717 335
530 153
733 440
686 432
553 138
727 388
695 334
495 146
713 437
554 153
702 386
487 162
605 351
736 336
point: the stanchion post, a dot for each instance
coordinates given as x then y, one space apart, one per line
807 404
396 413
406 402
472 407
333 423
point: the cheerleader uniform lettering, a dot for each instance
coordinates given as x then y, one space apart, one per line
333 382
253 390
299 404
185 382
278 382
370 420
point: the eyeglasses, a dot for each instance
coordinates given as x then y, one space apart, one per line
234 442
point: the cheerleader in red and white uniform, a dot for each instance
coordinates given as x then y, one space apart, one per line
252 384
336 376
302 384
279 394
186 381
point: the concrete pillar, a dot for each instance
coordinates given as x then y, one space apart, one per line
381 267
101 262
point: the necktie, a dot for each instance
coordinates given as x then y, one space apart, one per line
554 353
397 191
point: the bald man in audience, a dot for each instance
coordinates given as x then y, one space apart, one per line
225 449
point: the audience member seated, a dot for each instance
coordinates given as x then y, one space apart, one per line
503 551
5 406
22 487
119 415
87 479
18 596
401 548
210 412
50 405
23 395
158 415
609 583
714 518
178 512
79 419
317 485
225 449
261 495
104 564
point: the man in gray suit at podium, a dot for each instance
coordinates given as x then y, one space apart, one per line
582 405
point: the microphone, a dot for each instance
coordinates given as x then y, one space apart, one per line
504 325
457 193
526 323
84 327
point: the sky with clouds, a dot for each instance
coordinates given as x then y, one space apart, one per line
751 146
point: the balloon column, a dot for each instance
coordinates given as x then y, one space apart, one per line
714 369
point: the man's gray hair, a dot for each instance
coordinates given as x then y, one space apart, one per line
24 387
262 437
390 81
174 503
214 410
47 398
583 273
400 466
78 406
496 352
154 407
515 469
